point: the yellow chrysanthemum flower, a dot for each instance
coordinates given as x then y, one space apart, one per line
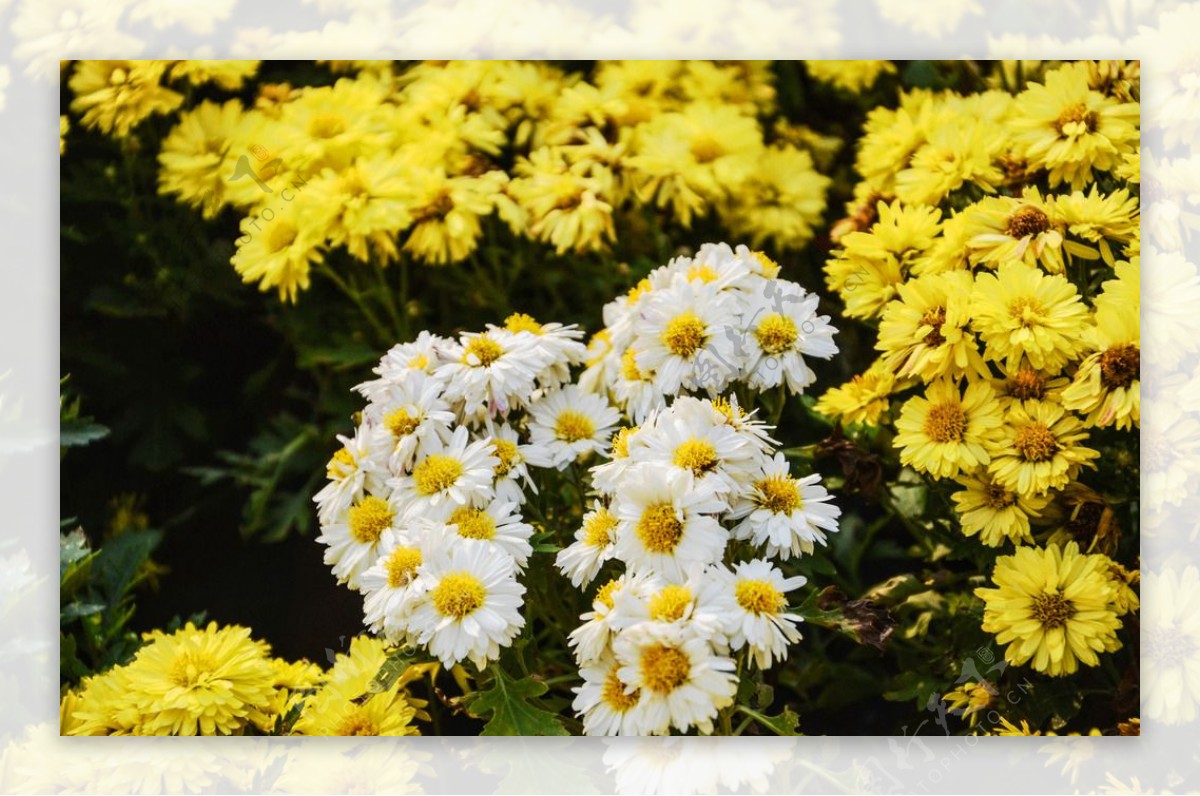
1098 218
1023 382
103 705
891 137
564 207
946 431
278 250
196 160
1020 311
782 201
1066 128
229 75
63 126
370 199
956 154
1008 728
854 76
115 96
213 681
330 126
1004 228
924 332
1107 386
863 399
970 699
1052 607
447 213
994 512
1038 448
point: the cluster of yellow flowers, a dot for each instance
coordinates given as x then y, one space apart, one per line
219 681
416 159
994 242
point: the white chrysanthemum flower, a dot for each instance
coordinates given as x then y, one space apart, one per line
558 344
753 607
594 544
607 477
714 264
780 327
682 683
569 423
666 522
448 475
473 607
496 525
422 355
512 472
788 515
756 432
686 601
359 466
592 638
353 537
490 372
391 586
691 437
686 336
1171 645
635 389
407 415
602 702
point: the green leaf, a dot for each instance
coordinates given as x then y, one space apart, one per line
78 609
514 708
80 431
71 548
786 723
117 563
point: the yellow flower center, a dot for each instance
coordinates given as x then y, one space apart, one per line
598 528
506 452
776 333
1036 443
420 362
725 407
520 322
629 367
1076 120
436 473
402 566
326 125
934 319
482 350
458 594
706 149
400 422
664 668
473 523
1052 610
1026 222
369 519
572 426
620 442
659 529
1120 366
758 597
697 455
341 465
1027 384
279 236
685 335
778 494
638 290
669 603
604 595
1026 311
770 268
701 272
190 667
613 693
945 422
356 724
998 497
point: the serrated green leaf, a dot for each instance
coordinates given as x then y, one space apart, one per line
117 562
79 432
514 707
786 723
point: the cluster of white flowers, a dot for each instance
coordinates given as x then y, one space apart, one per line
695 482
702 323
422 511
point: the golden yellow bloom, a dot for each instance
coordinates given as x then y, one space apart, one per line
104 705
63 126
854 76
1020 311
891 137
1038 448
994 512
1008 728
970 699
115 96
956 153
330 126
1052 606
1066 128
278 247
1098 218
946 432
781 202
863 399
447 211
1107 385
924 332
1003 228
229 75
370 201
562 206
196 160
